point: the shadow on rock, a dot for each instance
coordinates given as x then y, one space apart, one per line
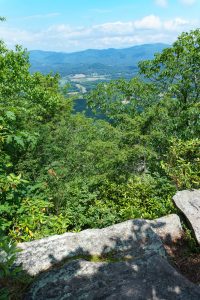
125 261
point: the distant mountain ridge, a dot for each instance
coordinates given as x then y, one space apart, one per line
91 60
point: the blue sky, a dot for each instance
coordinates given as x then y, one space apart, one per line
73 25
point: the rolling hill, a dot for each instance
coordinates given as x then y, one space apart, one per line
108 61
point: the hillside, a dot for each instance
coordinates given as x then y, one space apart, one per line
106 61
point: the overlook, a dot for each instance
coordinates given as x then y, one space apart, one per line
100 156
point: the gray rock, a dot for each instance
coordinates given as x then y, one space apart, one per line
132 264
146 278
131 239
189 203
168 227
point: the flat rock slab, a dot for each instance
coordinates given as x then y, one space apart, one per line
130 239
189 203
147 278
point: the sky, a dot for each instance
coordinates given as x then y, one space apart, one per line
75 25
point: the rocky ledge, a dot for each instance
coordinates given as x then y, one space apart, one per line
123 261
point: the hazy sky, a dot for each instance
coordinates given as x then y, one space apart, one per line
71 25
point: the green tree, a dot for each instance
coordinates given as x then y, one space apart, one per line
176 69
27 102
175 73
120 97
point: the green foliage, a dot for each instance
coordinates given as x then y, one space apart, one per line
27 102
11 195
176 70
62 171
8 251
27 218
35 219
189 238
141 197
183 163
121 97
13 281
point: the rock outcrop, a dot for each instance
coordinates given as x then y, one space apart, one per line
131 239
146 278
123 261
189 203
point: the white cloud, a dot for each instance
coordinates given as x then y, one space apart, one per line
188 2
148 22
162 3
175 24
115 27
64 37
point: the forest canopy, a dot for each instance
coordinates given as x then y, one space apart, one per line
61 171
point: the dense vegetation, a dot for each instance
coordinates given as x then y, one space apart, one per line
61 171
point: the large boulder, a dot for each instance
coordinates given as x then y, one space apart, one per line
123 261
130 239
189 203
145 278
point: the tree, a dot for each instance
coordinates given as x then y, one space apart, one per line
176 73
27 102
120 97
176 70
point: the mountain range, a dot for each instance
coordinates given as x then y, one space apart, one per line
108 61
